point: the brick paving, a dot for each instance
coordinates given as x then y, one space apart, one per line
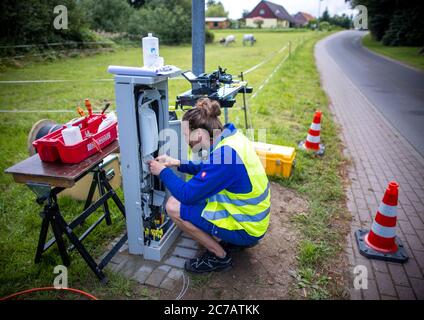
379 154
166 274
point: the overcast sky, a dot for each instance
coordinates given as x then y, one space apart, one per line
235 7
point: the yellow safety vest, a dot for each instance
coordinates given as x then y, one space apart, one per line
242 211
189 158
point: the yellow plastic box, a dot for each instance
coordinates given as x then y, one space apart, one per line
277 160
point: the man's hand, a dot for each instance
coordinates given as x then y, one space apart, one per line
168 161
155 167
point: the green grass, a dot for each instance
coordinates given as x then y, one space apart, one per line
408 55
284 107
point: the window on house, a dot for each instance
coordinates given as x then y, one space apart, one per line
215 24
262 12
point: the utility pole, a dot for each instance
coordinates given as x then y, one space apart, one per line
198 36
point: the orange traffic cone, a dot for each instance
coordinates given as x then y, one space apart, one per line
381 242
313 140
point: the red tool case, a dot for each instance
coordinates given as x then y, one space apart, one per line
51 147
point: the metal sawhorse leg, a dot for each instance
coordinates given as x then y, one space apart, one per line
52 216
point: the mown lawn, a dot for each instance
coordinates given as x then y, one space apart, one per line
408 55
284 107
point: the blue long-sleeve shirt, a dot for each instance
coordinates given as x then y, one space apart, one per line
224 170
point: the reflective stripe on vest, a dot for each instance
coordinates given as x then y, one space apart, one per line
253 201
242 211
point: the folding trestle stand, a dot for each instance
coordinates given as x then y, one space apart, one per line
52 216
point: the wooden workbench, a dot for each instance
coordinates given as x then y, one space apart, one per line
47 180
57 174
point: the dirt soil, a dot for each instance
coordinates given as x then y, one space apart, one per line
261 272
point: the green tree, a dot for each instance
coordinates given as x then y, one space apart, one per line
395 22
31 22
325 16
215 9
108 15
169 20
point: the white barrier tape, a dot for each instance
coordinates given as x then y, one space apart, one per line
268 78
54 44
313 139
266 60
316 126
388 211
62 81
384 232
38 111
51 81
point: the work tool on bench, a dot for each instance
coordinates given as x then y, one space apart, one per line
47 180
217 85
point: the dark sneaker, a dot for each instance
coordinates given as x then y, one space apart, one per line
208 262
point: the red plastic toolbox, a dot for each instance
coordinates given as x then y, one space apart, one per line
51 147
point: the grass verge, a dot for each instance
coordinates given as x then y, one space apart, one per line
409 55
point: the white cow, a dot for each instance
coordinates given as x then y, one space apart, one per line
249 38
227 40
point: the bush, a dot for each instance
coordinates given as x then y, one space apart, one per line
324 26
170 26
209 36
406 28
107 15
31 22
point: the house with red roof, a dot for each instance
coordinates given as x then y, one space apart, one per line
303 18
272 14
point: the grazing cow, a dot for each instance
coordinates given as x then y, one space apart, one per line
249 38
227 40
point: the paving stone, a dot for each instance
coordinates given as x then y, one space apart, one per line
399 275
184 252
143 273
175 274
188 243
131 266
156 277
412 269
384 297
419 257
414 242
372 292
175 262
355 294
168 284
117 258
405 293
418 286
164 268
385 284
379 266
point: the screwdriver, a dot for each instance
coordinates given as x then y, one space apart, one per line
80 111
88 106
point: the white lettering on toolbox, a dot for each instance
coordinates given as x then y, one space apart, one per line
101 140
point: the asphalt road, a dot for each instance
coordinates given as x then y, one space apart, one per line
397 91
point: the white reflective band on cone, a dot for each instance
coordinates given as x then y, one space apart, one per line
385 232
313 139
316 126
388 211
